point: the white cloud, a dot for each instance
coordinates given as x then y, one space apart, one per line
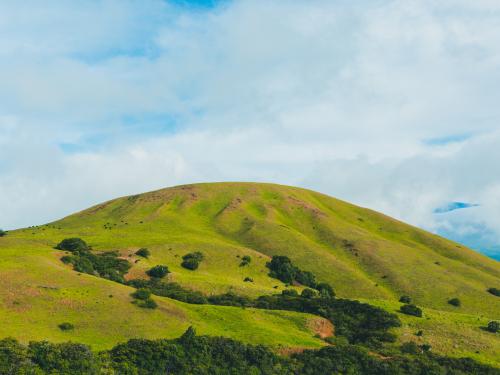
339 97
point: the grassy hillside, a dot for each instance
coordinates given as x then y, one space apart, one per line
363 254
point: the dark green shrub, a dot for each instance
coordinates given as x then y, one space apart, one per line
158 272
410 309
245 260
192 261
493 326
325 290
290 293
455 302
2 233
143 252
248 280
405 299
148 304
142 294
73 245
410 347
281 268
68 259
66 326
84 265
308 293
494 291
190 264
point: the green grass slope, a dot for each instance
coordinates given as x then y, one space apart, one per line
363 254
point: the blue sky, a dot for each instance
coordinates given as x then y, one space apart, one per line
391 105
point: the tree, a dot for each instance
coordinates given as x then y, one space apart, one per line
158 272
143 252
325 290
410 309
142 294
405 299
308 293
191 261
2 233
66 326
493 326
494 291
455 302
245 261
73 245
410 347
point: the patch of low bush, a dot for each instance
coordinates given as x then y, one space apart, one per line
192 261
245 261
2 233
410 309
158 272
66 326
73 245
143 252
494 291
455 302
405 299
493 326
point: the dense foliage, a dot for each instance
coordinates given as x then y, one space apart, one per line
2 233
192 261
410 309
281 268
158 272
494 291
493 326
107 265
143 252
170 290
73 245
245 261
192 354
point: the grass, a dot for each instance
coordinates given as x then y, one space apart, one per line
363 254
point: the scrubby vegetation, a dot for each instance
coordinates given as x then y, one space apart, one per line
170 290
455 302
493 326
410 309
2 233
143 252
405 299
192 261
107 265
158 272
281 268
73 245
66 326
192 354
494 291
245 261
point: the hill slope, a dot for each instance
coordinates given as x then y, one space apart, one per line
363 254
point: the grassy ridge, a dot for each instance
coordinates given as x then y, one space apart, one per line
363 254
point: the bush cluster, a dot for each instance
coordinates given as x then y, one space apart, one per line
143 252
494 291
192 354
410 309
107 265
158 272
245 261
281 268
192 261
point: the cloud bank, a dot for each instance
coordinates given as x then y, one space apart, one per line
392 105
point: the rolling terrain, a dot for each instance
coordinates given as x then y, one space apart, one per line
363 254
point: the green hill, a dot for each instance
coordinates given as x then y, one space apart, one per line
363 254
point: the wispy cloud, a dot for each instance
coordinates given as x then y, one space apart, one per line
389 104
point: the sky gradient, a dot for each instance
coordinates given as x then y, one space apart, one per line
391 105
